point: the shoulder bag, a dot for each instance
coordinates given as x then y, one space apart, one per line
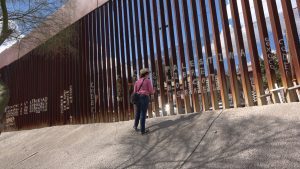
135 96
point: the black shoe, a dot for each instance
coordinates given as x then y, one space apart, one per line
135 128
146 132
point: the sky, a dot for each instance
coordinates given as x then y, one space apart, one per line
23 6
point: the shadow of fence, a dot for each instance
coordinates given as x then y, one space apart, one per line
241 142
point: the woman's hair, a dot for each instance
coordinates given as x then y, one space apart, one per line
145 74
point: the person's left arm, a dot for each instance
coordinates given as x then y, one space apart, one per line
150 87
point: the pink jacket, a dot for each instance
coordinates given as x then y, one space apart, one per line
146 89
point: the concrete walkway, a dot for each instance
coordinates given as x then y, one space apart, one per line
256 137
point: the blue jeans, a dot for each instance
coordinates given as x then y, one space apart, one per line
141 110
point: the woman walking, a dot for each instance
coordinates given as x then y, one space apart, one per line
143 87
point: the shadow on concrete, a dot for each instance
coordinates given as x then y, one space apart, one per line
148 150
241 142
154 127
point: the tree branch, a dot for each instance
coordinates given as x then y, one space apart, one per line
5 28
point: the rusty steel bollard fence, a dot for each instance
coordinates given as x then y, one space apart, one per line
85 73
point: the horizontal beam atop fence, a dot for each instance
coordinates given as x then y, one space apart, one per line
68 14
